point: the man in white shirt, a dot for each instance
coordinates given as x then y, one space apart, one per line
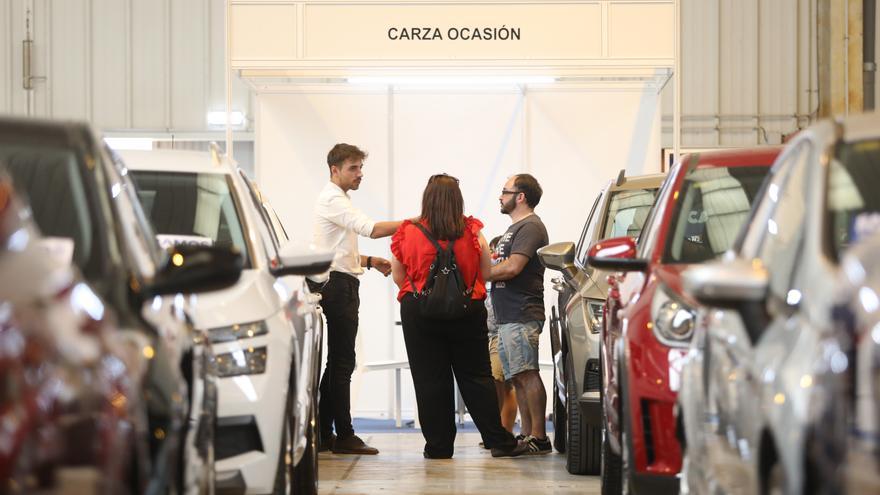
337 227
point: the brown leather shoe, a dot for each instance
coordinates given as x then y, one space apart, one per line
352 445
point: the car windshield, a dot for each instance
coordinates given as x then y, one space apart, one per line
715 201
191 208
52 181
852 201
627 212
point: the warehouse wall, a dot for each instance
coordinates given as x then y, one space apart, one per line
153 65
573 139
748 71
158 65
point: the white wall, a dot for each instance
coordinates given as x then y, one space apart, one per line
572 139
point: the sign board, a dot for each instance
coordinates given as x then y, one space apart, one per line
336 35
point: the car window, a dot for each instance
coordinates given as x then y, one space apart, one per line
714 202
852 203
583 244
779 249
51 180
136 230
192 208
277 234
627 212
651 228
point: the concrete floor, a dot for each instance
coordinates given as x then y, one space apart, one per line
400 469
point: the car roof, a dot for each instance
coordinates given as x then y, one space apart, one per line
649 181
47 132
743 157
197 162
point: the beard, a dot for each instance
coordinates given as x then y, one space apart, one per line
509 205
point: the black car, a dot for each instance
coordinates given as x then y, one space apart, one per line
81 198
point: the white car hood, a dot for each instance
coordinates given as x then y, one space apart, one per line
252 298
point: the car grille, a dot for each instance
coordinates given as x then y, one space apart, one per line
592 378
236 435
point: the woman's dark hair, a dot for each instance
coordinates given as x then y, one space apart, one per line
443 207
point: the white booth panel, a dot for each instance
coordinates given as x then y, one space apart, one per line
476 137
572 139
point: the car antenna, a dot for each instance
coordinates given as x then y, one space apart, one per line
621 177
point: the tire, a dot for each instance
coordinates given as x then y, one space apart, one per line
305 474
283 472
560 419
583 441
611 473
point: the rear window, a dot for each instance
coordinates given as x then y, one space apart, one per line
50 178
189 208
853 205
627 212
714 204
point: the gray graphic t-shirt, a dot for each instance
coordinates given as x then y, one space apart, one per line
521 298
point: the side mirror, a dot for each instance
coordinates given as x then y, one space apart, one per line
560 257
192 268
616 254
298 258
726 284
733 284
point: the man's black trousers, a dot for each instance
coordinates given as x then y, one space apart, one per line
439 349
340 301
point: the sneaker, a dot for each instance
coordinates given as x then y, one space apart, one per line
325 444
517 450
536 446
520 436
352 445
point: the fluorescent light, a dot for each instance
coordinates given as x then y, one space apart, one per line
218 119
118 143
450 80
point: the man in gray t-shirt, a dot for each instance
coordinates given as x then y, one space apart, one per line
518 300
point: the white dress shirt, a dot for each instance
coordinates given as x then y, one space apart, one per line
337 225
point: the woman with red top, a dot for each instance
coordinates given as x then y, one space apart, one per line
437 348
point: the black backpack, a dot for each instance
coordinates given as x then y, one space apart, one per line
445 296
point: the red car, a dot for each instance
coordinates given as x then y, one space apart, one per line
69 397
649 321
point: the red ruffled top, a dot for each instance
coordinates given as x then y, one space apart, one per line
410 246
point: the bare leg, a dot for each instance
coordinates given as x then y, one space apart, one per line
525 416
532 397
508 406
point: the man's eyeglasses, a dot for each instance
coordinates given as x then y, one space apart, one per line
508 191
437 176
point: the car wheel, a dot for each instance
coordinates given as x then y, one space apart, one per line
305 474
610 469
559 421
283 473
583 440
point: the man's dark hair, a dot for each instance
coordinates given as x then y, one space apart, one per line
494 242
342 152
529 186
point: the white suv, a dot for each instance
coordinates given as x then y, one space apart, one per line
266 330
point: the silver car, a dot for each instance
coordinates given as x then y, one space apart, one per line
619 210
763 341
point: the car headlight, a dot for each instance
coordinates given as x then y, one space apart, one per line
237 332
250 361
595 309
673 321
